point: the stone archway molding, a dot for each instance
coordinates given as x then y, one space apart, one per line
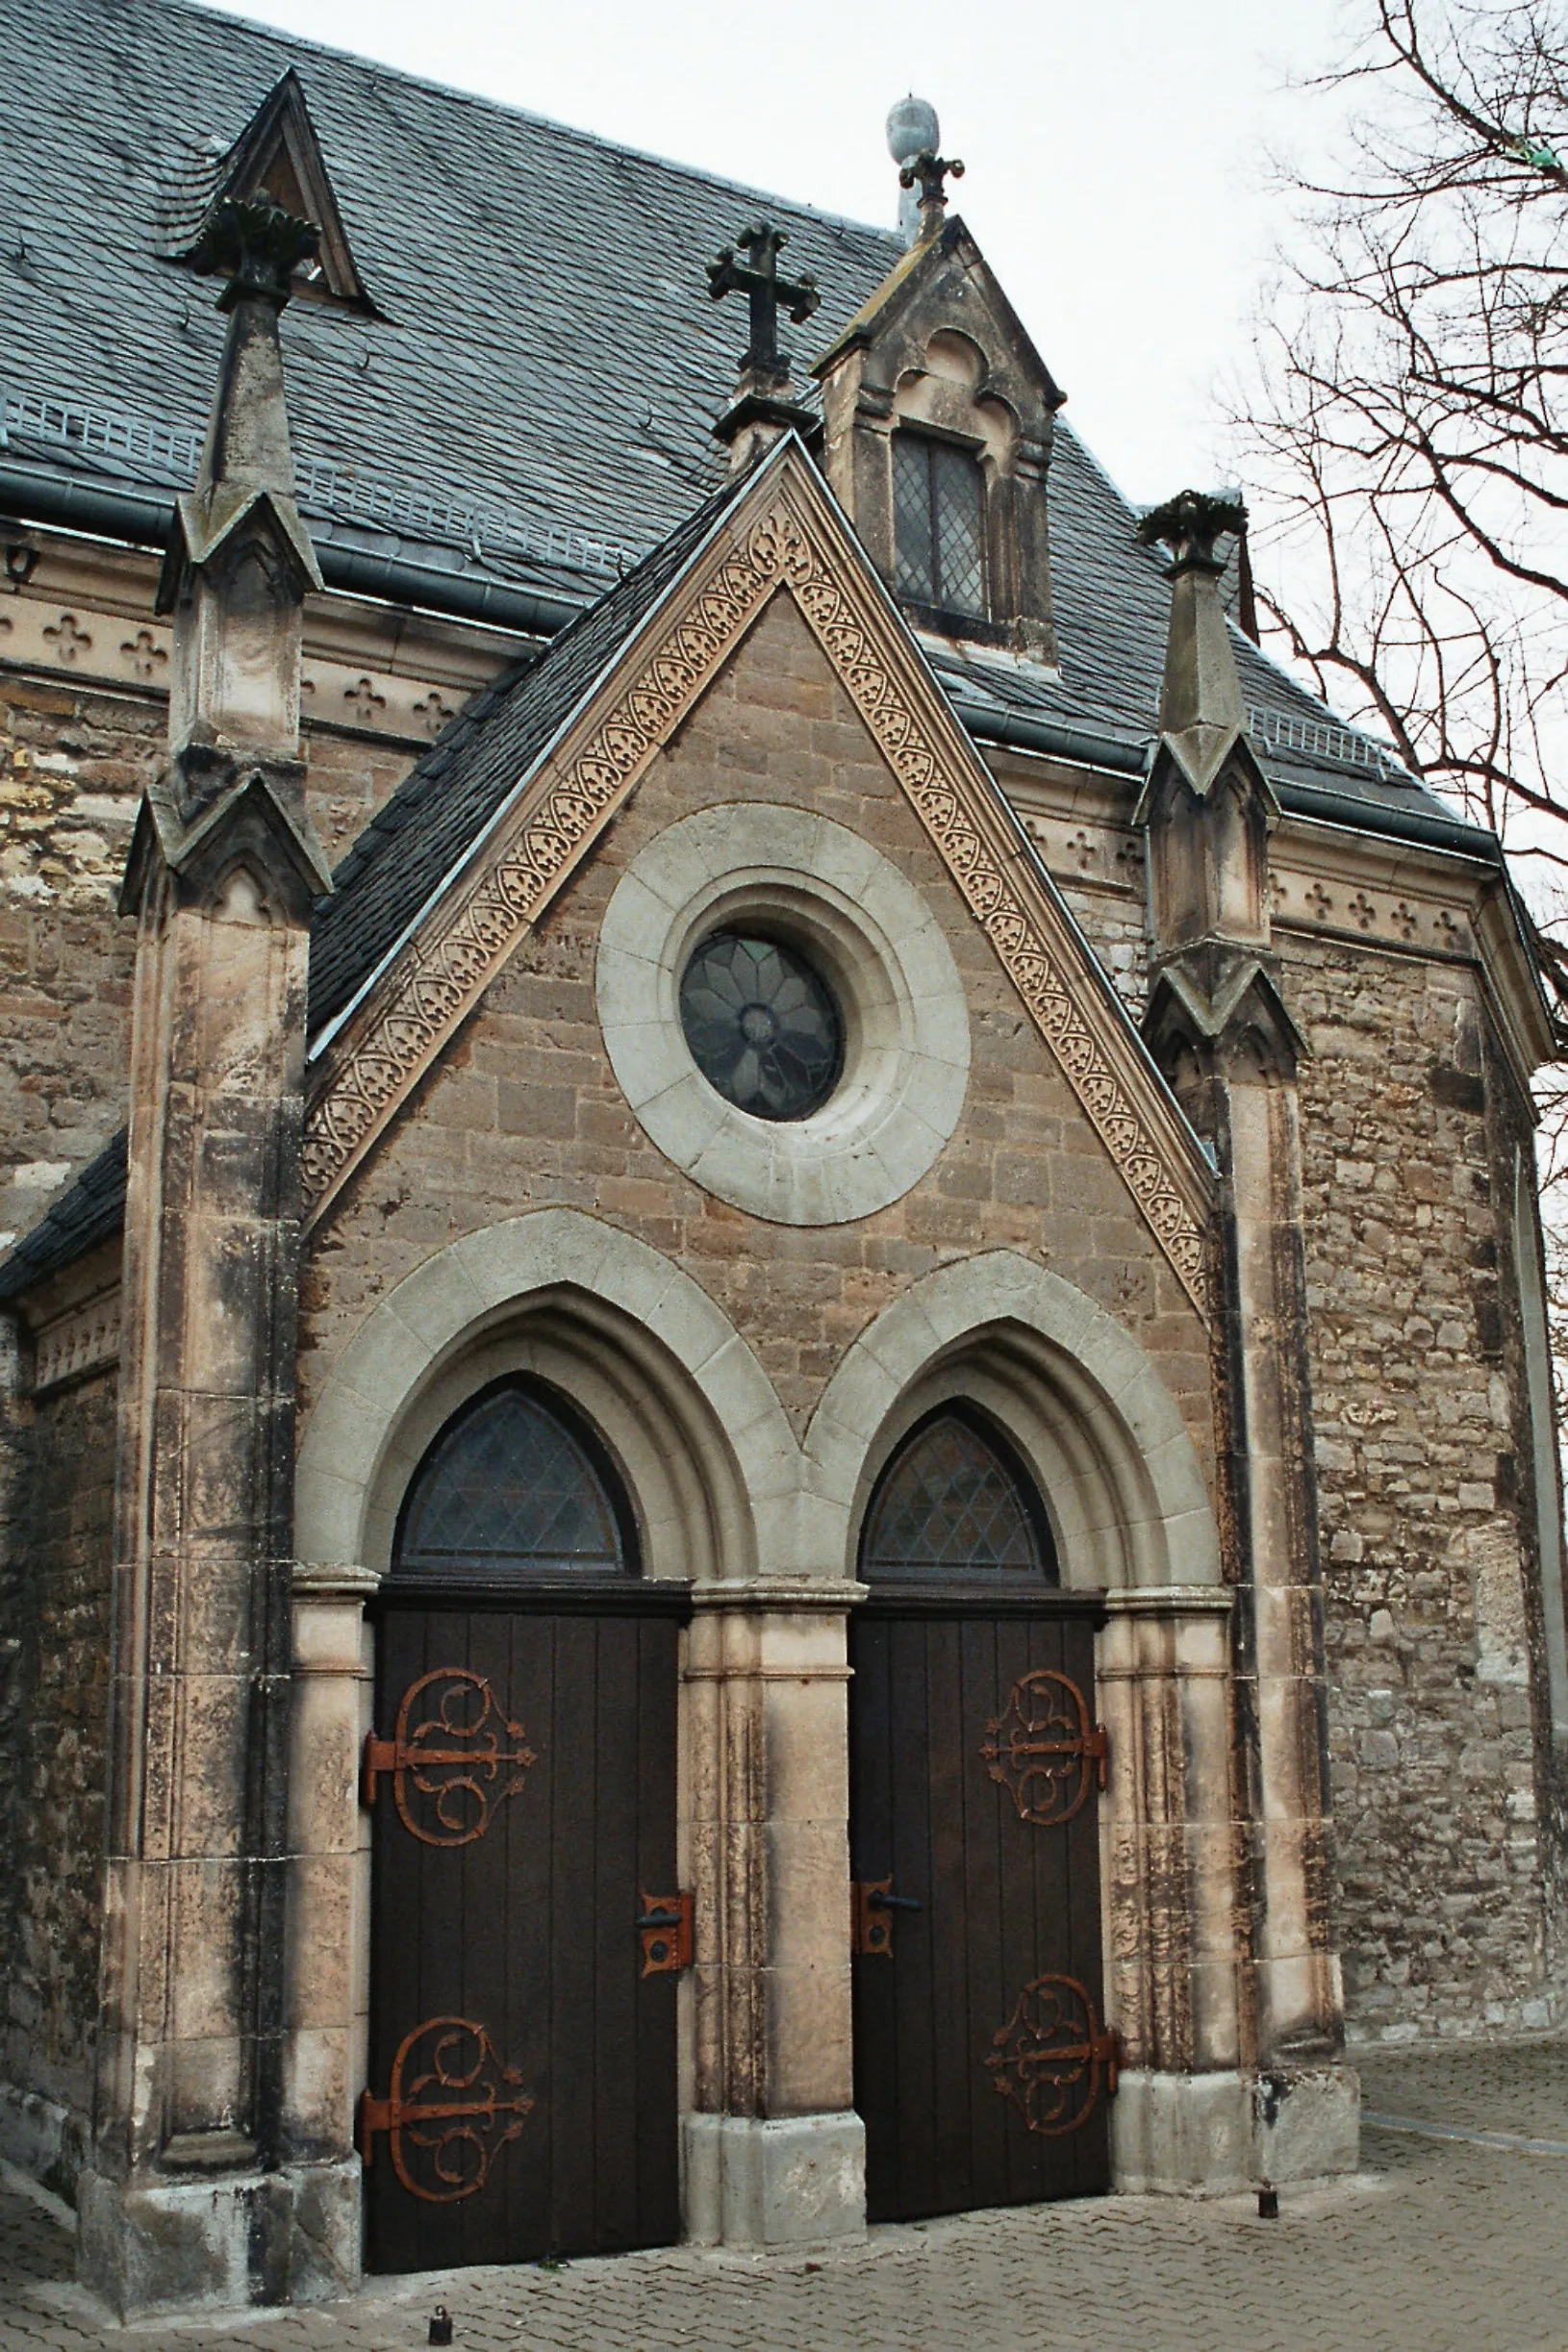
471 1289
1126 1489
1127 1496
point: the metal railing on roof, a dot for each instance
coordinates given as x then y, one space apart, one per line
170 454
1320 739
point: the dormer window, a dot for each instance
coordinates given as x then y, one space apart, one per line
939 525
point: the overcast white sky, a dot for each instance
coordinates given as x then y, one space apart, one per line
1117 151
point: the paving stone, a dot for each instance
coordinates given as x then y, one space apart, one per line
1439 2245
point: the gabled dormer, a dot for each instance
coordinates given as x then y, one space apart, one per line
276 159
939 427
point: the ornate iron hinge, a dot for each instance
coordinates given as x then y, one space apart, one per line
1053 2058
451 2106
872 1904
453 1759
1042 1746
665 1930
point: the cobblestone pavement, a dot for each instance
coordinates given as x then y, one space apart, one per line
1442 2242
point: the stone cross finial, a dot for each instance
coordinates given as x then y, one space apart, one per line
1190 524
757 278
257 248
928 171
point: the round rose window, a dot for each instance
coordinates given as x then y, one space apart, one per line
762 1025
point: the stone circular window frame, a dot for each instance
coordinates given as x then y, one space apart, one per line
814 884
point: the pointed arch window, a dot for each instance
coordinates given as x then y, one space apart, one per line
516 1486
955 1502
939 525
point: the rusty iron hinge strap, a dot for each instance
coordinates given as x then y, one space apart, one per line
452 2104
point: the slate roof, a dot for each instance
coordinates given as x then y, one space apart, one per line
535 405
89 1210
444 806
549 357
550 348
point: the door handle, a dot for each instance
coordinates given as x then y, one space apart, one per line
871 1927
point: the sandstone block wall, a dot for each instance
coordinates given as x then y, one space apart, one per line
1411 1119
55 1553
74 760
524 1111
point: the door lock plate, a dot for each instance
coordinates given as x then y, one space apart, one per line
664 1931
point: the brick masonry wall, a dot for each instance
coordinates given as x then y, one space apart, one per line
523 1109
1409 1123
55 1571
74 761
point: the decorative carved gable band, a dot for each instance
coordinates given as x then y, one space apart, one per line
512 878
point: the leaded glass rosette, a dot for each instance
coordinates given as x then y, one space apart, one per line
763 1027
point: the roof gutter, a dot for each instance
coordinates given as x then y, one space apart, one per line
1089 747
1085 746
144 519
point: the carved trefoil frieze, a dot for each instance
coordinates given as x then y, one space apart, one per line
84 1339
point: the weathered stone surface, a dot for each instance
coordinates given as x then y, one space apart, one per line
1445 1906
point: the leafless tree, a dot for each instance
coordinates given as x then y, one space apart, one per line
1406 439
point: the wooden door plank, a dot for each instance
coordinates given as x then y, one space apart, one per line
951 2025
616 1697
574 1930
656 2141
984 1842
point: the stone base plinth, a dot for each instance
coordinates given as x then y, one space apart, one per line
1214 2135
151 2246
774 2181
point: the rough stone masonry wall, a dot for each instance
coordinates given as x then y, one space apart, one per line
1409 1122
74 761
57 1503
525 1110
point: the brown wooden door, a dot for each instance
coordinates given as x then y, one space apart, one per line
975 2034
522 2084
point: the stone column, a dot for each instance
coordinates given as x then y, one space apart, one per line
1220 1027
774 2152
1176 1967
188 2196
327 1912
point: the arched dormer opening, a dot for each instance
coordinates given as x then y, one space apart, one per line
939 429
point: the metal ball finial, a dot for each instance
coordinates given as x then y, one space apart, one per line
912 128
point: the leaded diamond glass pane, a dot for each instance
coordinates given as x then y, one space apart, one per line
956 502
509 1489
762 1025
950 1506
912 518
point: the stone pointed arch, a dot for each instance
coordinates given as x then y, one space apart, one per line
1123 1483
708 1451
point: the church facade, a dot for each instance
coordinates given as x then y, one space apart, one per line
780 1445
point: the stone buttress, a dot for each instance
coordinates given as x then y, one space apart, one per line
191 2192
1219 1026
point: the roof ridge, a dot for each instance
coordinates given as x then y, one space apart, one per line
548 122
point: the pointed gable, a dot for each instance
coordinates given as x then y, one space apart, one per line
465 864
278 160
